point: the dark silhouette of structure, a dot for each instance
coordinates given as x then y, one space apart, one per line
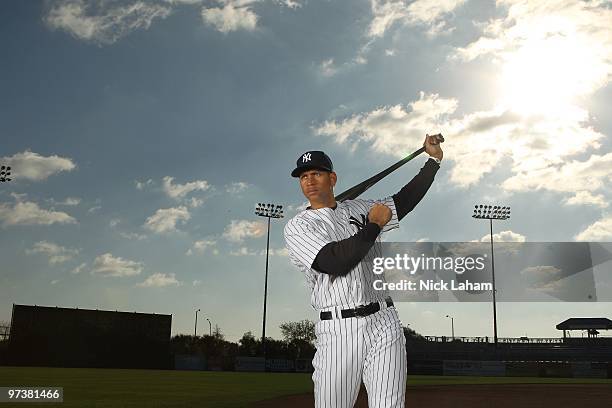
62 337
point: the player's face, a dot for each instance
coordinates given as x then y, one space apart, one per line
317 185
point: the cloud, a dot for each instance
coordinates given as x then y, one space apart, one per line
504 236
244 251
201 246
429 13
582 30
79 268
57 254
29 213
327 68
103 22
178 191
34 167
109 265
69 201
196 282
538 146
159 280
233 16
541 277
94 209
238 230
140 185
237 187
391 129
600 230
165 219
586 198
133 235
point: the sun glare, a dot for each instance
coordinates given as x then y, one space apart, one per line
548 72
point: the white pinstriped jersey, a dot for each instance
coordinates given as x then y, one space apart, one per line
311 230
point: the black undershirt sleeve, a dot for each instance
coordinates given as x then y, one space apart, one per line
339 257
409 196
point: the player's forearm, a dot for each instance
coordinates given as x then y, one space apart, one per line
412 193
340 257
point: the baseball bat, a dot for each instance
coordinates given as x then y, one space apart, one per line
360 188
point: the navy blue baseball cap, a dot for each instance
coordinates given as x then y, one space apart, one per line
313 159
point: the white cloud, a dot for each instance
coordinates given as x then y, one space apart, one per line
504 236
233 16
586 198
103 22
133 235
165 219
114 222
196 282
201 246
428 13
69 201
574 177
55 281
582 30
159 280
244 251
29 213
541 277
178 191
392 129
57 254
79 268
327 68
600 230
32 166
538 146
238 230
94 209
141 185
237 187
194 202
109 265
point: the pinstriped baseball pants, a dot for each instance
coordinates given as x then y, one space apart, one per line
372 348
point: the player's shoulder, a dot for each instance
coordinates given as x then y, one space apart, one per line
300 219
357 204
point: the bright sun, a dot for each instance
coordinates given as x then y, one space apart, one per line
548 71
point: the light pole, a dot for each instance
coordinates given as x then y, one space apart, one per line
209 327
5 172
269 211
452 326
195 330
492 212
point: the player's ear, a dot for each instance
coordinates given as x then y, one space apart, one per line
333 177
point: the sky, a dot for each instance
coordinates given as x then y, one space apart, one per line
142 134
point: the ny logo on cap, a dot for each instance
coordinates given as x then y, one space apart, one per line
306 158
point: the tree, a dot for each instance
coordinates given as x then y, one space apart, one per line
249 345
298 331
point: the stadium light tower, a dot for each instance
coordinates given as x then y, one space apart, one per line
5 172
492 212
452 325
269 211
209 327
195 330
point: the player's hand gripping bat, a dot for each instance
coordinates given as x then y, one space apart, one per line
360 188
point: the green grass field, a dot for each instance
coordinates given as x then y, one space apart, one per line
105 388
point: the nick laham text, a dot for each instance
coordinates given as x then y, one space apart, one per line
430 285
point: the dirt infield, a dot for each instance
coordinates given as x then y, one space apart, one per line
480 396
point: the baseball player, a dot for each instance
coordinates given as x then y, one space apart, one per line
359 336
